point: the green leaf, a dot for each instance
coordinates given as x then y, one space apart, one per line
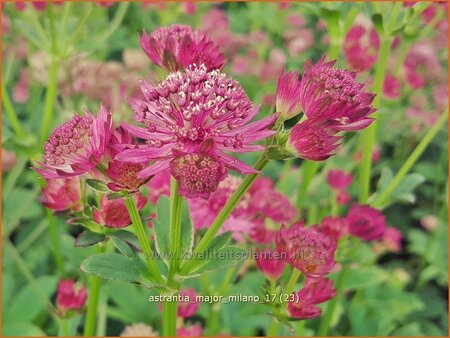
187 233
97 185
128 237
220 241
123 247
364 277
225 258
161 226
88 238
116 195
377 20
21 329
115 266
27 304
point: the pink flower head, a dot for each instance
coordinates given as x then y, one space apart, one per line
114 214
315 291
313 140
199 113
69 297
177 47
361 48
288 92
307 249
62 194
392 239
124 176
391 87
189 8
366 222
422 64
333 95
76 146
271 263
334 227
39 5
339 179
194 330
188 308
21 92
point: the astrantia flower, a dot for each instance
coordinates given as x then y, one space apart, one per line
195 112
361 48
333 95
69 297
315 291
366 222
114 214
343 197
139 330
392 239
334 227
124 175
391 87
271 263
288 92
339 179
307 249
62 194
194 330
77 146
188 309
313 140
178 46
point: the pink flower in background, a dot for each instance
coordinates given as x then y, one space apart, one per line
272 68
307 249
313 140
298 40
376 154
440 96
114 214
429 222
189 8
334 227
339 179
77 146
288 92
271 263
199 113
333 95
391 87
361 48
315 291
9 160
422 64
69 297
39 5
159 185
177 47
366 222
105 3
193 330
392 239
62 194
20 5
343 197
188 309
21 91
260 204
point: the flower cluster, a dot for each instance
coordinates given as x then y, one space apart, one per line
69 297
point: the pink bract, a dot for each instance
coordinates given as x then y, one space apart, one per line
114 214
288 92
271 263
68 297
77 146
177 47
315 291
188 309
62 194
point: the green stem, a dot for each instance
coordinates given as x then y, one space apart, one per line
170 308
329 313
412 159
115 23
54 237
309 169
93 295
11 113
64 327
369 135
275 325
141 234
175 229
50 98
224 214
